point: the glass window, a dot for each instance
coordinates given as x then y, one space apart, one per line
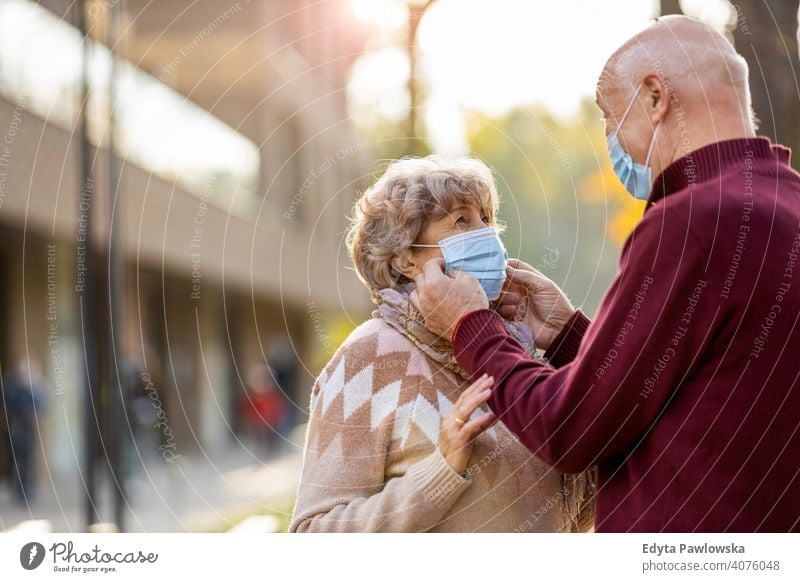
157 128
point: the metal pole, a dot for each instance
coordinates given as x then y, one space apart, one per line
86 287
415 13
116 262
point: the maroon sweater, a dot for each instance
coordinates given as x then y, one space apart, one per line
684 389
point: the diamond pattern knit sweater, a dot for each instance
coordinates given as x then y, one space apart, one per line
372 461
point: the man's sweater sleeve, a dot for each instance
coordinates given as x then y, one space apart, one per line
565 345
645 339
343 486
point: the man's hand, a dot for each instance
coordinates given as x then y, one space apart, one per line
444 299
531 297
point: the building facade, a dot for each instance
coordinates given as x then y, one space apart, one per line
236 165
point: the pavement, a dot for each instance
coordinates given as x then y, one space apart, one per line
209 490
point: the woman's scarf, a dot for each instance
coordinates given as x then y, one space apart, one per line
395 308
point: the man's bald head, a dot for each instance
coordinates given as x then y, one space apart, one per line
696 63
683 85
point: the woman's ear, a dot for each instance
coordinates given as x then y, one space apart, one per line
405 265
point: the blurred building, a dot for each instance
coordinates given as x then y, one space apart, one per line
240 166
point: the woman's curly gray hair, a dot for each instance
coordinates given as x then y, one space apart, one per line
393 212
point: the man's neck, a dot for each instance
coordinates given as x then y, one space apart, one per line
702 135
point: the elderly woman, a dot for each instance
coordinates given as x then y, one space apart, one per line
398 439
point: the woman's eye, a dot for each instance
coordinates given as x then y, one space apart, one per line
460 220
485 220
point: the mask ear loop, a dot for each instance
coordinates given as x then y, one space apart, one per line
630 105
652 144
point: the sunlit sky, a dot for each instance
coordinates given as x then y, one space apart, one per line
493 55
474 55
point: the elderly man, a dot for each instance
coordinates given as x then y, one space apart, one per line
684 389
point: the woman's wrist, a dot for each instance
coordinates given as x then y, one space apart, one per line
438 482
462 469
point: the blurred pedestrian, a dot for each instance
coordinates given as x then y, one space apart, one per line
284 365
23 397
263 410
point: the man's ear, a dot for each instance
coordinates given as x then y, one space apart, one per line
656 97
405 265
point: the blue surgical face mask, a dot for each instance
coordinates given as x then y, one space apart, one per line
478 252
637 178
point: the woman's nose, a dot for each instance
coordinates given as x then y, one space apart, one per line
476 226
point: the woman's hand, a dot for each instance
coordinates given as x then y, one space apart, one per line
458 431
531 297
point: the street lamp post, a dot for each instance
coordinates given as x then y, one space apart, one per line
416 9
87 291
117 401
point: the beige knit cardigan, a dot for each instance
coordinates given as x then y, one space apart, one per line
372 463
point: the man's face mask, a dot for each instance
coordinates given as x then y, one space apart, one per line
636 178
478 252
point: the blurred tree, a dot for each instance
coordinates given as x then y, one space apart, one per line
670 7
602 185
331 330
766 35
416 145
565 211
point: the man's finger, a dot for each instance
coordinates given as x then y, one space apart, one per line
415 300
433 268
468 279
509 298
519 276
527 278
508 312
517 264
509 286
